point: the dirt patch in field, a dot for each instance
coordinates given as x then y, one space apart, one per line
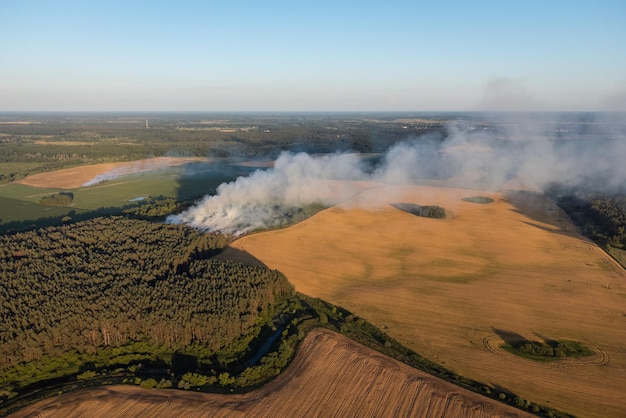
444 286
331 376
72 178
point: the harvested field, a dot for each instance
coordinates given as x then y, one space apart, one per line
71 178
452 289
330 376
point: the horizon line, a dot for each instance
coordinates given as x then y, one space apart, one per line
301 111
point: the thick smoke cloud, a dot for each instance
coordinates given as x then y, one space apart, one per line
255 201
507 155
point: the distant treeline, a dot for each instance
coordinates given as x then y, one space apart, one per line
52 142
113 281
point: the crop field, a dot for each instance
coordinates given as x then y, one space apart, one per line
180 178
457 289
331 376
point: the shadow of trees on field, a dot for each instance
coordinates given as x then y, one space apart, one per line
542 210
545 228
199 179
69 217
240 256
511 338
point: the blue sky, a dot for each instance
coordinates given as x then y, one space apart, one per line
312 56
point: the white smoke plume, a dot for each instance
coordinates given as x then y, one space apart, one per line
109 175
151 164
252 202
518 155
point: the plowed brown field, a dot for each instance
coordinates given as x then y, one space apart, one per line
452 288
331 376
71 178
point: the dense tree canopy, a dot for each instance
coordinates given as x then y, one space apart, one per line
113 281
601 216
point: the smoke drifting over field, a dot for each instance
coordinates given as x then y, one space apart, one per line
109 175
151 164
466 157
255 201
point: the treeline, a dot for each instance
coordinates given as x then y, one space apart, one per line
602 217
113 281
234 369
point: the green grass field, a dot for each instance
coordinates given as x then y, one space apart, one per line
20 207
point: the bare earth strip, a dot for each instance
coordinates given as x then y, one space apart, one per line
330 376
452 288
71 178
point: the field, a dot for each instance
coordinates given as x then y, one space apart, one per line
72 178
181 178
456 289
331 375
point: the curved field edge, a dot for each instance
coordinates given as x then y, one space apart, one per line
421 383
330 373
445 287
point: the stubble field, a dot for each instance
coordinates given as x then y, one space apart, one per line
454 289
331 376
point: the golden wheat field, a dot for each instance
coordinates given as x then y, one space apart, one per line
452 288
330 376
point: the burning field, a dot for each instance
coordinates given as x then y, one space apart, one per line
455 289
331 376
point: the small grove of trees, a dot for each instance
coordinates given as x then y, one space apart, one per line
58 199
549 349
153 207
419 210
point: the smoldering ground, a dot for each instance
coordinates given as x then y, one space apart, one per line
530 154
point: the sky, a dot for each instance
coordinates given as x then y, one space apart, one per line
319 55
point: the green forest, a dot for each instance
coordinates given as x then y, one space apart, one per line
600 216
72 291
